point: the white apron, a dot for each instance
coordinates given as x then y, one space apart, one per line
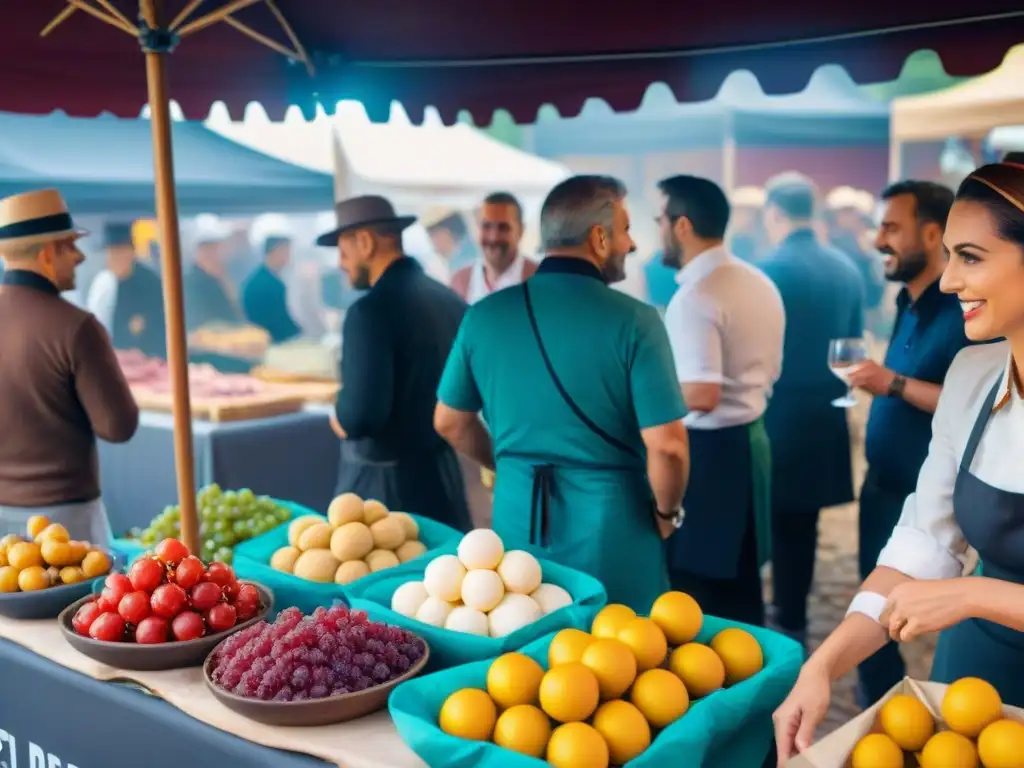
85 521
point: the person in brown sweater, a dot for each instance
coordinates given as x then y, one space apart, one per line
60 383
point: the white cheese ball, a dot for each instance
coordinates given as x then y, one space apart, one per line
520 571
482 590
468 620
443 578
434 612
551 597
408 598
481 549
513 612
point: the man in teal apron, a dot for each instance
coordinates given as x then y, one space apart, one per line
576 383
726 325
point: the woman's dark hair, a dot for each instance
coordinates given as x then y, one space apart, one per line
1000 188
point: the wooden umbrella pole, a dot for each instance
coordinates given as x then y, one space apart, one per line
170 261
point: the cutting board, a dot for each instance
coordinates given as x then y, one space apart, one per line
221 409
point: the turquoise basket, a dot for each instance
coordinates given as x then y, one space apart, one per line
731 728
447 648
130 549
252 561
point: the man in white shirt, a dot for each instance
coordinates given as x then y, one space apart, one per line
502 265
726 325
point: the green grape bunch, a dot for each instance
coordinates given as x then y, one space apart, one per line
225 519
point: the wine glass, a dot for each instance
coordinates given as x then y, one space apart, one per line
843 355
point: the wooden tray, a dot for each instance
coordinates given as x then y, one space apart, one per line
221 409
276 376
310 391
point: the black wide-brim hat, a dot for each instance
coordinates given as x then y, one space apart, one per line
359 212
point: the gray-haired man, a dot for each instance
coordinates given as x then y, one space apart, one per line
578 387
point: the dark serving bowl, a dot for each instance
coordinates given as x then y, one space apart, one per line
46 603
312 712
151 658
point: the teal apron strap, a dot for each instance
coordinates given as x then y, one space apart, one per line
761 480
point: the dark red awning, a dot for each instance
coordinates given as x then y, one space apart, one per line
464 54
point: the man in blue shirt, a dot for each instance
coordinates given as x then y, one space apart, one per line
928 333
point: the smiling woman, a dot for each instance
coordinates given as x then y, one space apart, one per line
970 492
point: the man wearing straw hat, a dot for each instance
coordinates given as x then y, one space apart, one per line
395 342
61 384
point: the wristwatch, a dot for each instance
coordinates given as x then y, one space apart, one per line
675 517
896 387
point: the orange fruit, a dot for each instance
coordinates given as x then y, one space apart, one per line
611 619
577 745
614 665
876 750
699 667
647 642
970 704
907 721
524 729
948 749
679 617
660 696
24 554
568 645
36 525
468 714
624 728
569 692
514 679
1001 744
739 652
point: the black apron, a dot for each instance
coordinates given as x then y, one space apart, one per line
139 313
992 521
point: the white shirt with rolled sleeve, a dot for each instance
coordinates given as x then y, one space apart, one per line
726 324
927 542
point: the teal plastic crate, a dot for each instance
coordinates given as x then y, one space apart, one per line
252 561
447 648
730 728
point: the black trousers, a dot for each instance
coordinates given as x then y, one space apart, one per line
880 510
794 548
739 598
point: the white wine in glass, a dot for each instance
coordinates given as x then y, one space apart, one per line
843 355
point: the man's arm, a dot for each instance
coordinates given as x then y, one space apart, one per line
878 381
456 416
101 385
466 433
694 332
367 375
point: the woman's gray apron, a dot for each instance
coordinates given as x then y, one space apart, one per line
85 521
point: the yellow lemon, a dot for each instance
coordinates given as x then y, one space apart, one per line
468 714
24 554
36 525
514 679
611 619
8 579
577 745
96 563
1001 744
9 541
614 665
624 729
647 642
907 721
949 749
660 696
53 532
33 578
740 654
568 645
71 574
876 750
970 704
699 667
524 729
679 617
569 692
58 553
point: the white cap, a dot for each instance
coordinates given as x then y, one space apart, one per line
210 228
843 198
748 197
267 226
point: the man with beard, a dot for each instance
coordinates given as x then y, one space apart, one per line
726 325
928 333
577 386
502 265
395 341
209 294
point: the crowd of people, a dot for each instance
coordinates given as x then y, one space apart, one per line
684 450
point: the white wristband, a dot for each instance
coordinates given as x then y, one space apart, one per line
871 604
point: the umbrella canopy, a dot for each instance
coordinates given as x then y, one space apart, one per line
456 54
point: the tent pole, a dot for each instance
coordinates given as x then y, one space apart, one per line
170 261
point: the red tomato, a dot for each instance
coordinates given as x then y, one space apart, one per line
205 595
118 581
106 605
146 574
108 627
85 616
221 617
247 604
231 591
151 631
188 625
171 551
134 607
190 571
168 600
220 573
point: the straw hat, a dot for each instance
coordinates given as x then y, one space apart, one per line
34 218
748 197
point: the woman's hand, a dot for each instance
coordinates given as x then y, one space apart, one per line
799 715
921 606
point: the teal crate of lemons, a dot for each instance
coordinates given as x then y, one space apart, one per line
252 561
729 728
449 648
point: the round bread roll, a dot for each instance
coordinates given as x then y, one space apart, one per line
352 541
410 550
412 530
350 571
347 508
373 511
284 559
380 559
388 533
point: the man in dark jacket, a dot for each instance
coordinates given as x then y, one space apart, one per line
395 342
264 294
823 297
